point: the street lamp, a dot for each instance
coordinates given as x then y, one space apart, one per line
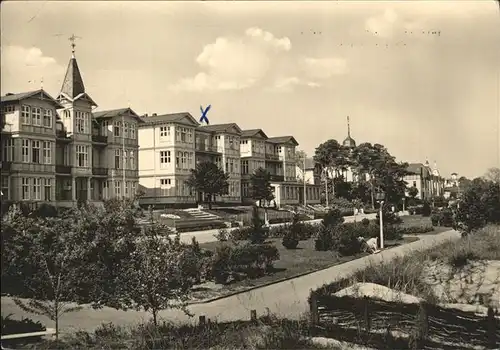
380 196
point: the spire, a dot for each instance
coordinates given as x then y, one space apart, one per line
435 165
73 82
348 128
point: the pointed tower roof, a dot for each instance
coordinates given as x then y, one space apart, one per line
73 83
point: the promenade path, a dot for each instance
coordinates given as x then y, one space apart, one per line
208 235
288 298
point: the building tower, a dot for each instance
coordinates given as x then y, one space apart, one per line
349 141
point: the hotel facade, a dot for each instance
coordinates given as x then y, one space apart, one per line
58 150
172 144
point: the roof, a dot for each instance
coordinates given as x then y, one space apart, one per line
349 142
168 118
73 83
282 139
221 128
418 168
253 132
116 113
24 95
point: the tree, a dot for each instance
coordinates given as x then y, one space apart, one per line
161 272
493 175
258 233
46 266
209 179
331 157
291 237
260 186
412 192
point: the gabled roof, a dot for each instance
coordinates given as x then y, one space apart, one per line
283 139
253 132
180 118
222 128
116 113
42 94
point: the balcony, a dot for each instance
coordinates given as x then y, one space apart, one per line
270 156
100 139
99 171
201 147
62 135
7 128
279 178
5 166
63 169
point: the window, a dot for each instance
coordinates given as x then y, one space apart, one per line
47 189
25 115
26 151
132 160
82 156
116 128
117 159
414 183
127 184
47 118
124 159
37 188
37 116
118 189
125 131
164 158
81 121
35 151
5 188
25 181
47 152
164 133
7 149
9 109
105 189
104 128
178 160
231 165
244 166
183 134
165 182
132 130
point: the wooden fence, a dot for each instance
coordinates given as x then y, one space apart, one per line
387 325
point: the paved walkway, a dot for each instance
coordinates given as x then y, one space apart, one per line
287 298
208 235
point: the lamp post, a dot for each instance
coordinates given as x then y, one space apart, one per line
380 196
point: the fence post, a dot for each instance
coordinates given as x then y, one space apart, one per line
202 320
367 316
253 315
492 329
422 324
313 308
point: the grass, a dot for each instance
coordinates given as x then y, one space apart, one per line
267 332
293 262
419 220
406 273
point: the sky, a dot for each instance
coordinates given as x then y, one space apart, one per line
419 77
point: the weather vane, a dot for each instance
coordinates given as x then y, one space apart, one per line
73 38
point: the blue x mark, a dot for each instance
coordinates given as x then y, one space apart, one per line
204 117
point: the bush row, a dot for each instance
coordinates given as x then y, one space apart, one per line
242 261
443 217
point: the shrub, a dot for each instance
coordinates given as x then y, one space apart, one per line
240 234
365 222
291 237
388 217
26 325
333 218
222 235
426 209
345 240
323 240
242 261
258 233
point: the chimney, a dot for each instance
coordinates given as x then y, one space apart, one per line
154 114
145 115
9 94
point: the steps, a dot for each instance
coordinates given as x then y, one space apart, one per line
202 215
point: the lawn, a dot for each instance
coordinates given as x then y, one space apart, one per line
292 263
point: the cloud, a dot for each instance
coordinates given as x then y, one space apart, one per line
287 84
22 66
383 24
235 63
324 68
